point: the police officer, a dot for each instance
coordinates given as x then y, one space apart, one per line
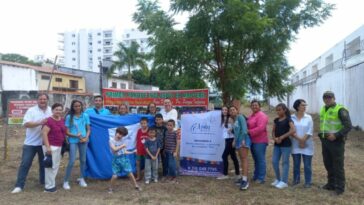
335 124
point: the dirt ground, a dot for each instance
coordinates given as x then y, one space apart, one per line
190 190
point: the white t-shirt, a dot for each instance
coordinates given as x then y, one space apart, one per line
303 127
171 115
117 143
225 131
33 136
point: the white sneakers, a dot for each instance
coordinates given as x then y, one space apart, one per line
275 182
223 177
66 186
81 182
281 185
16 190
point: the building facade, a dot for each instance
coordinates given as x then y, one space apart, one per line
85 48
341 70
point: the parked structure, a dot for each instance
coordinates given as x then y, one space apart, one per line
341 70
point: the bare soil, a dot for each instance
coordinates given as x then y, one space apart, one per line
189 190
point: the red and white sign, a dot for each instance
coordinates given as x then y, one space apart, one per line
17 109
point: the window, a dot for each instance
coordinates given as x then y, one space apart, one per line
74 84
99 42
353 48
314 68
90 59
113 84
73 35
73 43
122 86
127 35
73 59
107 43
329 59
58 79
99 34
99 58
99 50
90 51
107 35
108 58
73 51
107 50
304 74
90 43
45 77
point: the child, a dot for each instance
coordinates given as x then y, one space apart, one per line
160 134
142 135
120 161
283 128
152 147
171 150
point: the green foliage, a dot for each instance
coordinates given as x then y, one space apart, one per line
129 57
238 45
17 58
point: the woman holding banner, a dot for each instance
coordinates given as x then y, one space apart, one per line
227 124
242 143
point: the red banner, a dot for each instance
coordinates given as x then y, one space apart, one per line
17 109
182 98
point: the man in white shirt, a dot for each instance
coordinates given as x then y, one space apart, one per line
34 119
168 112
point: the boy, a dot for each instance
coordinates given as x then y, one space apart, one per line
142 136
160 134
171 149
152 147
120 161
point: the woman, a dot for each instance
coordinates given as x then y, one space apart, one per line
152 109
257 129
78 132
302 143
54 132
242 144
227 124
123 109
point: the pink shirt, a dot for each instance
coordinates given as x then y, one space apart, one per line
57 131
257 126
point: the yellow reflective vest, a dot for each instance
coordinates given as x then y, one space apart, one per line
329 120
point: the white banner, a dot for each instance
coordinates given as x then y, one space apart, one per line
201 136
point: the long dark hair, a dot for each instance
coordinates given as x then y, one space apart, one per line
225 119
72 111
285 108
148 108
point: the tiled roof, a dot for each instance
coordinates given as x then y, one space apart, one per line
37 68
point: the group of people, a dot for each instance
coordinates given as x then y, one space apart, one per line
292 136
46 131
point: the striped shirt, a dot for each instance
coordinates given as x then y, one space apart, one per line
170 142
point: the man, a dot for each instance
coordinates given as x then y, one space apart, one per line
335 124
99 107
34 119
168 112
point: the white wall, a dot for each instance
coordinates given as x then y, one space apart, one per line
18 79
118 83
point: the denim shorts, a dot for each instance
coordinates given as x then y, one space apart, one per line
239 143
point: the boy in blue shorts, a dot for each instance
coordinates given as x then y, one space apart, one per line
120 161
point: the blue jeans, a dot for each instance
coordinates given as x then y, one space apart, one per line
307 164
258 153
81 147
26 162
283 152
171 164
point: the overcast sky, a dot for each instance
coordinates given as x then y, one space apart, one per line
30 27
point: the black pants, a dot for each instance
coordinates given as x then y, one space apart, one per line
230 150
333 156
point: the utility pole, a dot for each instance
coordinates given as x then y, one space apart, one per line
101 74
50 79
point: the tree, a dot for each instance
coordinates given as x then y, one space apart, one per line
129 57
13 57
239 45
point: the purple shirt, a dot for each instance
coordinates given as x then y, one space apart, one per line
57 131
257 126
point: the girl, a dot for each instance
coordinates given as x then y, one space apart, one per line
120 161
152 109
123 109
78 132
227 123
54 132
283 128
242 144
302 143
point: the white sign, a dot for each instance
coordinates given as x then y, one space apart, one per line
201 136
130 139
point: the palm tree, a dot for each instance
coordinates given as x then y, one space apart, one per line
128 57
